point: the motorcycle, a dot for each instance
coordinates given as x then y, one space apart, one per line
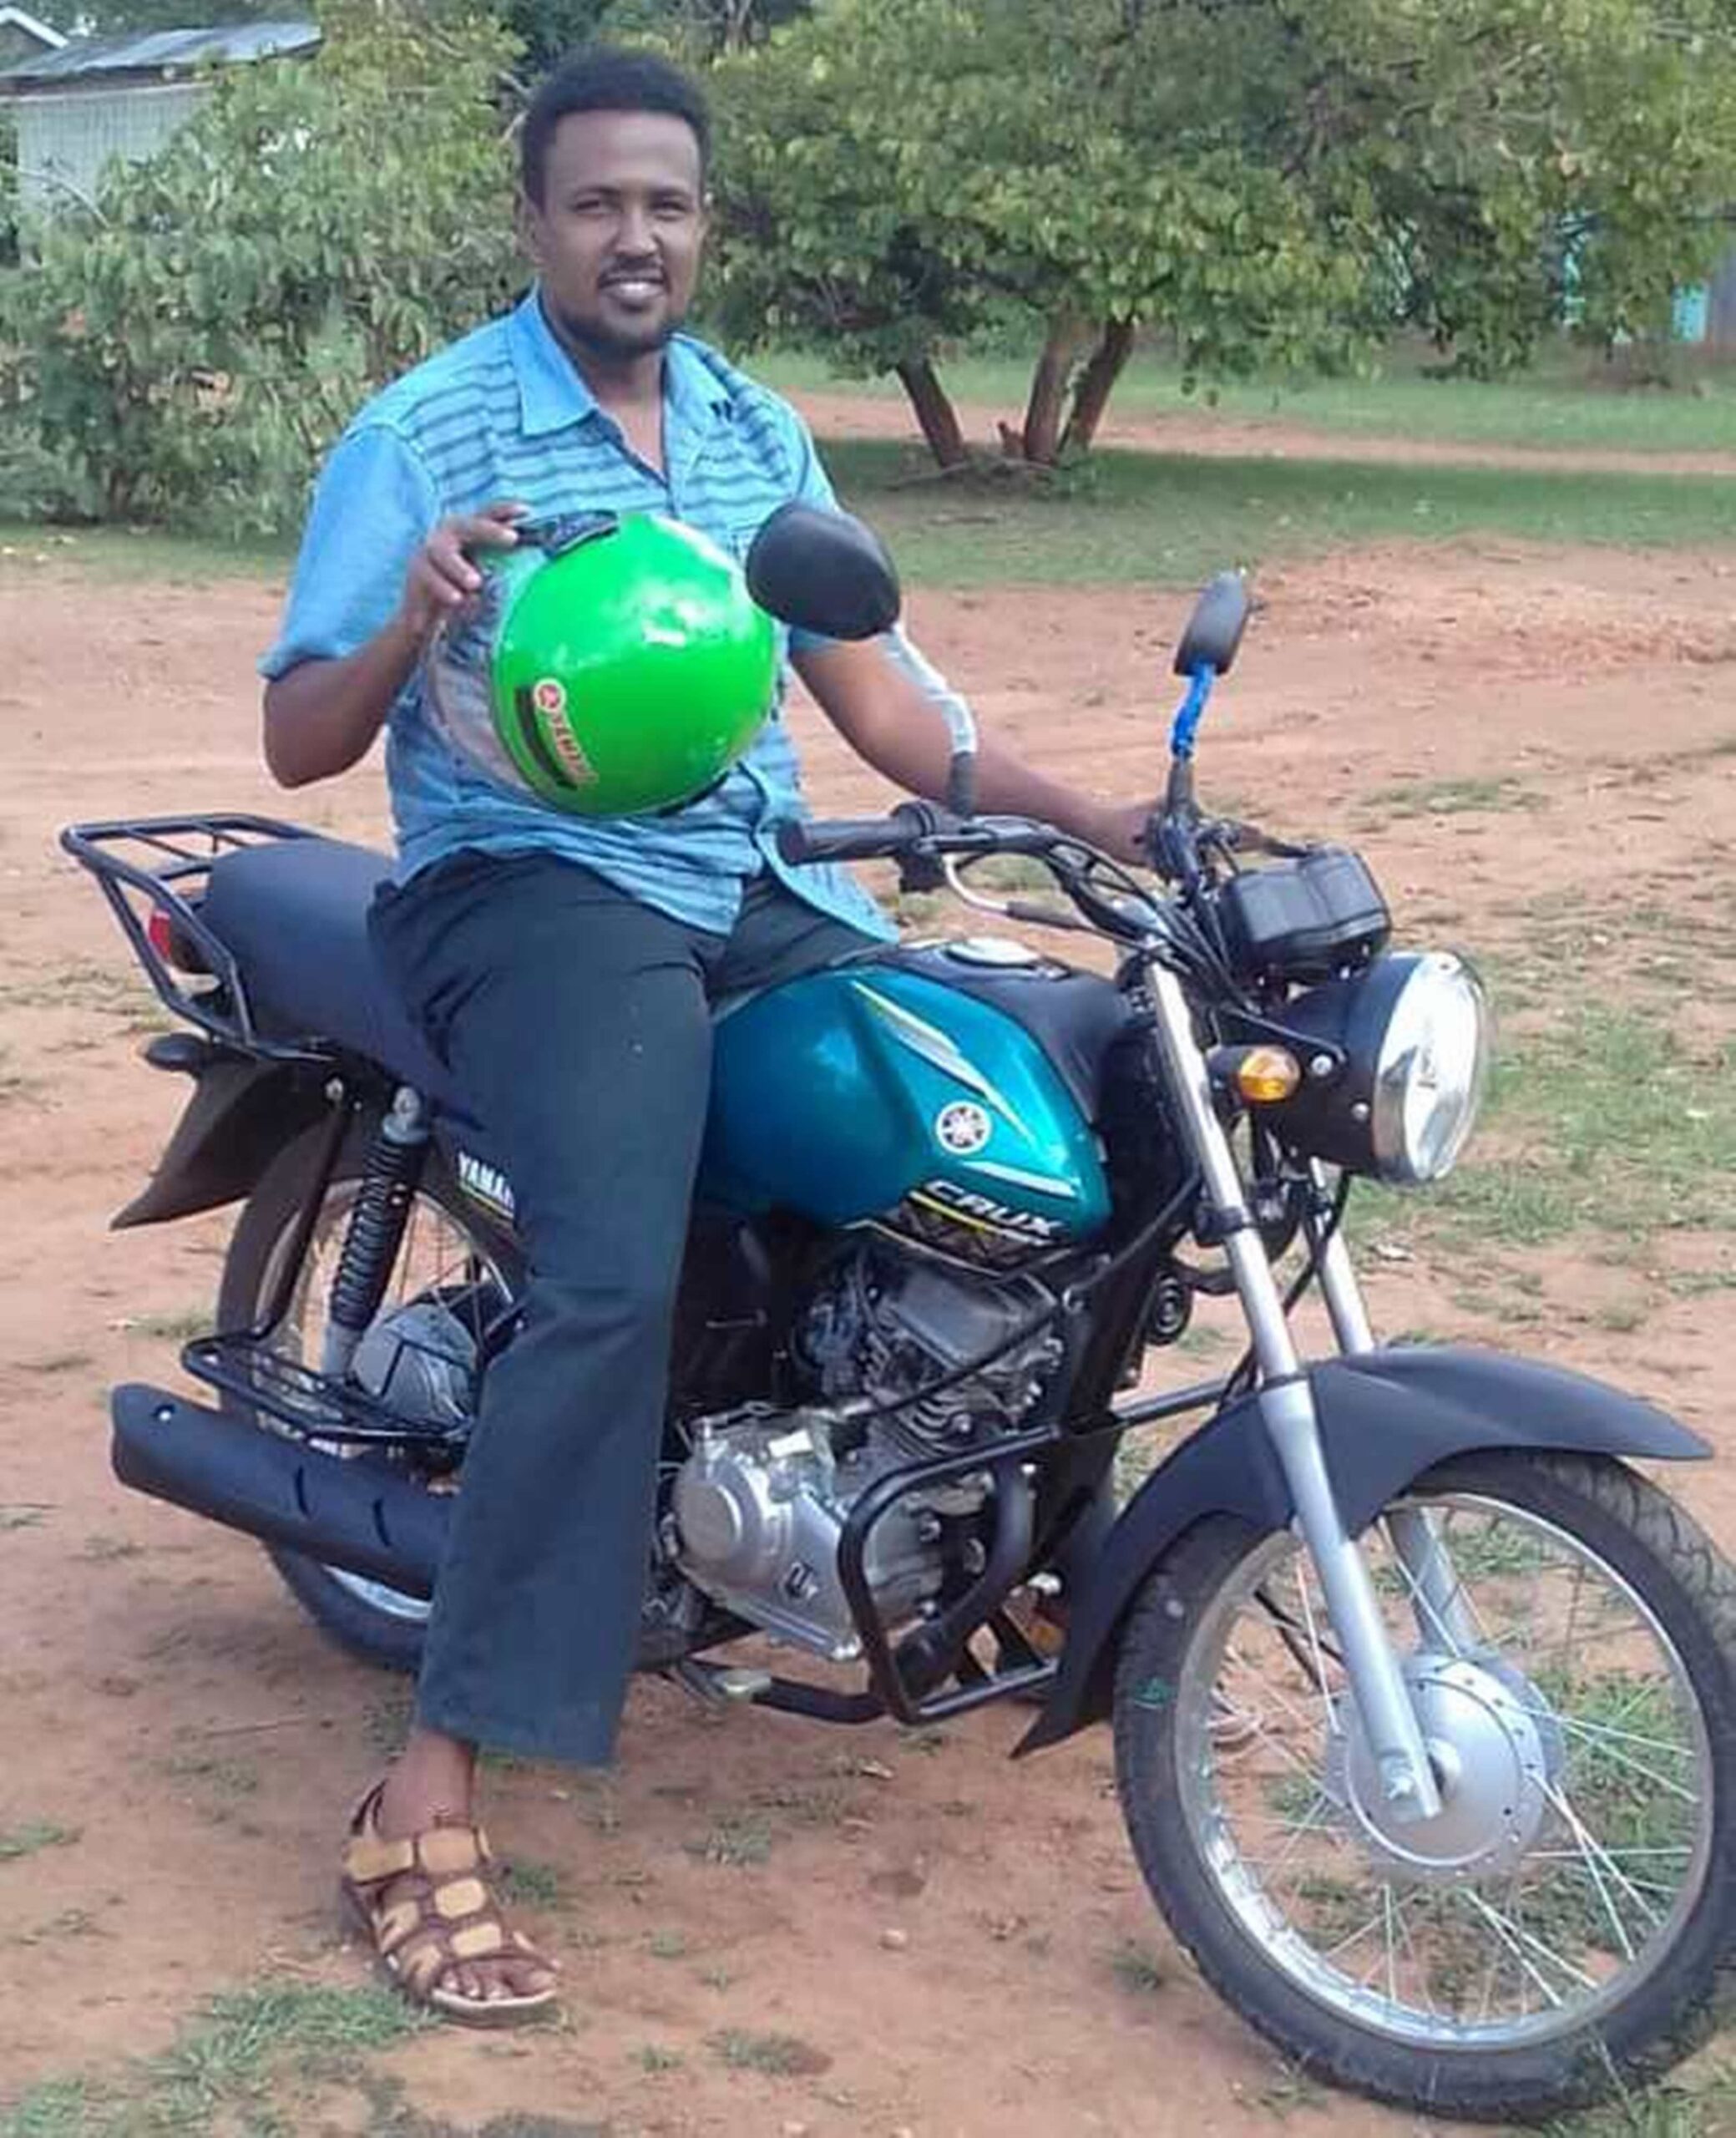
1421 1697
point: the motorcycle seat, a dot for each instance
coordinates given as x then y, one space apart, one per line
293 913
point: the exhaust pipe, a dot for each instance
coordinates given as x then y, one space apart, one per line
351 1514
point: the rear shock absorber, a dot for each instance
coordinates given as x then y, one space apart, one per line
376 1231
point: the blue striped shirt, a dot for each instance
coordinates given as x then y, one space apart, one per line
504 414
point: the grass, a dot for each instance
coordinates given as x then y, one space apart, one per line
221 1776
100 1549
740 1839
1127 518
527 1884
1604 1120
179 1327
32 1835
654 2059
16 1085
1667 2112
221 2071
1167 520
136 553
1134 1967
782 2056
1568 403
1451 797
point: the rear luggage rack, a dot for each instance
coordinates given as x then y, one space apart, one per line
161 865
312 1405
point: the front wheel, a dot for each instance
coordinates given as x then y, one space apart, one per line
1559 1929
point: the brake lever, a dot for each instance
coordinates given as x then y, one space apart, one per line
921 870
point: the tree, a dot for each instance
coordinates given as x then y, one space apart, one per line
547 28
1271 183
188 349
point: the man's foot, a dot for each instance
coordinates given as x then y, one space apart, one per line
417 1884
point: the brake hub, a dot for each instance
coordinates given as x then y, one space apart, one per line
1494 1752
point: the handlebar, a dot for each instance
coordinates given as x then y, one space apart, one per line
848 838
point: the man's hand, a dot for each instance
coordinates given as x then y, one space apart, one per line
441 577
322 716
1121 831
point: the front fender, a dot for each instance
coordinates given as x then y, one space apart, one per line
1385 1417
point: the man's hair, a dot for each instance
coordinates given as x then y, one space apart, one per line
606 78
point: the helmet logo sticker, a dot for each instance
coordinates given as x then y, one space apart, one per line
550 700
962 1128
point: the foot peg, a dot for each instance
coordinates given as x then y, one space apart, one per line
716 1687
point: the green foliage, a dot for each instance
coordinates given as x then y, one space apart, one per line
186 351
1274 186
547 28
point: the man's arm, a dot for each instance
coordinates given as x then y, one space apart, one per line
886 717
322 715
379 567
885 700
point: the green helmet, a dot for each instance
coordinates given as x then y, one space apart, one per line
607 666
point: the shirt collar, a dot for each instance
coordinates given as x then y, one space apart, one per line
552 393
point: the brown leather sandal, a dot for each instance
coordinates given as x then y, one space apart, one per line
447 1916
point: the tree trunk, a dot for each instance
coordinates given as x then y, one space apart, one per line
1041 440
1096 383
934 412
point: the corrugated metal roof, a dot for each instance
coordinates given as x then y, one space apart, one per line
15 18
158 52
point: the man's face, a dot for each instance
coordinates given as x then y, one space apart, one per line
616 238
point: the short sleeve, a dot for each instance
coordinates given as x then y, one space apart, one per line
374 505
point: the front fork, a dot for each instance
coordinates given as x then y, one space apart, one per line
1287 1409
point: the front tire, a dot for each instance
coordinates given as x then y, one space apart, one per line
1580 1940
443 1235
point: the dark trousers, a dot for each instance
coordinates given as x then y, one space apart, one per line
576 1024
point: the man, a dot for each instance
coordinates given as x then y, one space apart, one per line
560 967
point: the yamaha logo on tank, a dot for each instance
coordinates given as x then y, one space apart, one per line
962 1128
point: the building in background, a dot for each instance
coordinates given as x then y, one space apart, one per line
23 38
1705 317
89 99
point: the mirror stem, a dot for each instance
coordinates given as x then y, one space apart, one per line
1192 711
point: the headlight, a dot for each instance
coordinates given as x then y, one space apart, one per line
1430 1072
1412 1036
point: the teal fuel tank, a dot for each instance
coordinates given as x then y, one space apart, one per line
871 1091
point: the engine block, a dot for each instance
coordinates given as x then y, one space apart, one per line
758 1510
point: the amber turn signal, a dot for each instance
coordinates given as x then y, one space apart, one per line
1264 1076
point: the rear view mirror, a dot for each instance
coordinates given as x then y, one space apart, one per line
824 572
1214 630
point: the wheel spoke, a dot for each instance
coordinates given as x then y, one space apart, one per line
1601 1849
1597 1862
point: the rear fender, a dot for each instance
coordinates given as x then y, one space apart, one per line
241 1113
1386 1416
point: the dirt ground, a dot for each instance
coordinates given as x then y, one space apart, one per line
938 1929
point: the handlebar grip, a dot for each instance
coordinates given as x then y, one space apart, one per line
844 838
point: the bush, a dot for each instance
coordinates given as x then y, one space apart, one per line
185 351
